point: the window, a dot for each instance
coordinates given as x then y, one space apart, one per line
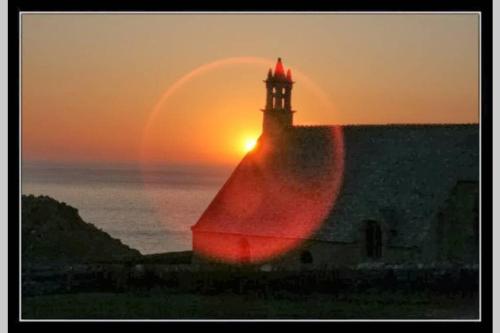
306 257
373 239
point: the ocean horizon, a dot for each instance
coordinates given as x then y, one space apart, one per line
150 209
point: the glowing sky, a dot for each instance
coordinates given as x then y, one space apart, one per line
91 83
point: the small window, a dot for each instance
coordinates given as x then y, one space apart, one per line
306 257
373 239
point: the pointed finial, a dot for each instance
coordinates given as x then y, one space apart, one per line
270 73
289 75
279 70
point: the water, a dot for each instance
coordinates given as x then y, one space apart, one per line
150 209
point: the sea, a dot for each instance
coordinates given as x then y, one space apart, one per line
150 209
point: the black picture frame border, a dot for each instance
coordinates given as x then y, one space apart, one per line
485 7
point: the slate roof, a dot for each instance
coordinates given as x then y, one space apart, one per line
400 175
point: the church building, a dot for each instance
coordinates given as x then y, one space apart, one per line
335 196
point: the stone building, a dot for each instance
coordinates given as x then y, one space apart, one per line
400 194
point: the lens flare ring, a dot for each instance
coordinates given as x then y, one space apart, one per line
317 209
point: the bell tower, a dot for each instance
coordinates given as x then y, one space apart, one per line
278 113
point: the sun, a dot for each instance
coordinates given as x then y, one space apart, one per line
249 144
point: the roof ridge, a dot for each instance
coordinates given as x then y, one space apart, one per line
390 125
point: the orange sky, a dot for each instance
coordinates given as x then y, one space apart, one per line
92 85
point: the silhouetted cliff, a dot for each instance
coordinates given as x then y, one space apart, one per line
53 232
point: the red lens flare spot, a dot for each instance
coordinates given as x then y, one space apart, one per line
277 197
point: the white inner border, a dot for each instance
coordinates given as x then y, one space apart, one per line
246 13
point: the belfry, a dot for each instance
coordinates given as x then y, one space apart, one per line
278 113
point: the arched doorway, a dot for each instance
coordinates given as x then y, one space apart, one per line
244 248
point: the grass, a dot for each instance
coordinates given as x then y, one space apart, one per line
162 305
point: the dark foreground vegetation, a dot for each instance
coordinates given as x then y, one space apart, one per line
163 304
176 292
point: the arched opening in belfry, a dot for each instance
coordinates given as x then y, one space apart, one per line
373 239
275 97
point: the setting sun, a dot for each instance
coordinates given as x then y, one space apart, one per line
250 144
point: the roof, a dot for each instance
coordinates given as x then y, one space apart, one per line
398 174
